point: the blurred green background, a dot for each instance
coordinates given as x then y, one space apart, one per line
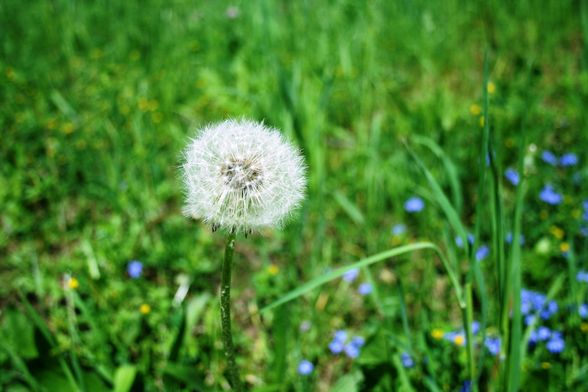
98 99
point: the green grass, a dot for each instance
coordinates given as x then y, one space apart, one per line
98 99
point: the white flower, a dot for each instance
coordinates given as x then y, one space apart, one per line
241 175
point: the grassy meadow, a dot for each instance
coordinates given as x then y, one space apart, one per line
442 244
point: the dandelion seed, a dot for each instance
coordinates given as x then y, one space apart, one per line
241 176
305 367
135 269
305 326
414 204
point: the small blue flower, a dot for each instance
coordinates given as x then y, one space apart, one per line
549 158
407 360
482 252
414 204
582 276
352 351
340 335
135 269
336 346
475 327
556 344
512 176
550 310
584 231
550 196
357 341
364 289
583 311
585 205
351 275
568 159
509 238
305 367
493 345
466 387
529 319
543 333
398 229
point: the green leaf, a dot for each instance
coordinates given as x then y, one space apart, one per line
349 383
382 256
124 377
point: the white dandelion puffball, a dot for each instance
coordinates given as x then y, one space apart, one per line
241 175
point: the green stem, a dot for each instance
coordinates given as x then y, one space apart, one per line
225 296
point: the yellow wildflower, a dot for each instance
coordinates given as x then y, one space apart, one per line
437 334
491 88
145 309
564 247
73 283
545 365
273 269
475 109
584 327
459 340
557 232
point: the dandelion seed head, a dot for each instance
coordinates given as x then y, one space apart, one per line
241 175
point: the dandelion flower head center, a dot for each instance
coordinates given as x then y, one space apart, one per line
241 175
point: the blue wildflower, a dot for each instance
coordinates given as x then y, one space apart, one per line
556 344
340 336
475 327
407 360
509 238
493 345
305 367
482 252
543 333
584 231
583 311
568 159
550 196
351 275
529 319
582 276
549 158
398 229
466 387
336 346
364 289
135 269
550 310
459 241
512 176
358 341
414 204
351 351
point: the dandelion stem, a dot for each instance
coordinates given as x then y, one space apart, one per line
225 296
